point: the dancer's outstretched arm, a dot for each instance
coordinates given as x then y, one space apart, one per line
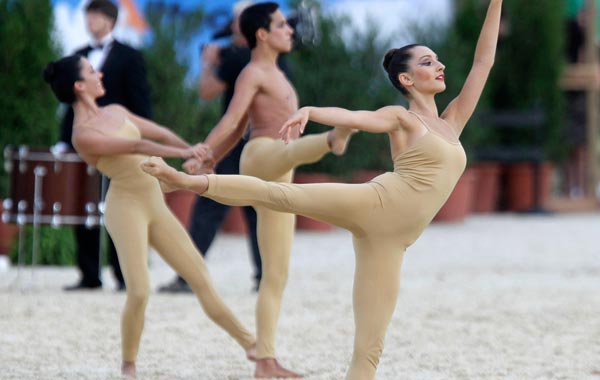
195 166
462 107
93 142
231 141
246 87
153 131
386 119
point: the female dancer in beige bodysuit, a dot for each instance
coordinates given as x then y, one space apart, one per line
387 214
136 215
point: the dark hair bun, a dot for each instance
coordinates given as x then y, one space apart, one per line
49 73
388 58
61 75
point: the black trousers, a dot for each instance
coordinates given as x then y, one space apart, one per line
88 254
208 215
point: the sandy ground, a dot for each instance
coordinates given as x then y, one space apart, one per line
496 297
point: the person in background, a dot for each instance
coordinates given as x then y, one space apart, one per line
220 68
126 84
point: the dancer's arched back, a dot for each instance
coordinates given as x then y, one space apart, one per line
136 216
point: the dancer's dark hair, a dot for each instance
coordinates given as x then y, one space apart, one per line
62 75
395 63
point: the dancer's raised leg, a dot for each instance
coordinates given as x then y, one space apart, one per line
340 204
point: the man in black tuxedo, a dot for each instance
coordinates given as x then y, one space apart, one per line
125 83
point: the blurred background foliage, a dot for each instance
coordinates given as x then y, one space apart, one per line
333 73
28 110
530 60
175 102
56 247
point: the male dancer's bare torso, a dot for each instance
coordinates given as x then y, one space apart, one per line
273 104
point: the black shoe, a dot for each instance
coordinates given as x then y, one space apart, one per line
256 287
82 286
176 286
121 287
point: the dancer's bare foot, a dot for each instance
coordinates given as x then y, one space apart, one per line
170 179
251 353
270 369
338 139
128 371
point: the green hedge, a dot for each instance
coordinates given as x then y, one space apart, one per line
27 107
529 64
333 73
56 246
174 99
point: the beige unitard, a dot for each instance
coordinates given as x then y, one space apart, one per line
385 216
136 216
272 160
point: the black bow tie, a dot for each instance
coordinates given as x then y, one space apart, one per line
98 47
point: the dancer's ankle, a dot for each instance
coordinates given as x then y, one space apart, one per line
128 370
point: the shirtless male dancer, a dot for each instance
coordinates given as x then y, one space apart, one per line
264 97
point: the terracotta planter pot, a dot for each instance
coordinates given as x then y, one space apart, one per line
308 224
487 187
8 233
181 203
460 202
520 183
234 222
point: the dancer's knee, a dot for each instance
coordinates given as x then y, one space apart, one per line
137 297
273 280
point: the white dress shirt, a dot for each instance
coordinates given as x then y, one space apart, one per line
99 51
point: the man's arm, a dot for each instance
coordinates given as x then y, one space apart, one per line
246 87
210 85
194 166
232 140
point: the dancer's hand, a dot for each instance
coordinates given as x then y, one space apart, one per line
195 167
207 166
199 151
191 166
205 170
298 119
